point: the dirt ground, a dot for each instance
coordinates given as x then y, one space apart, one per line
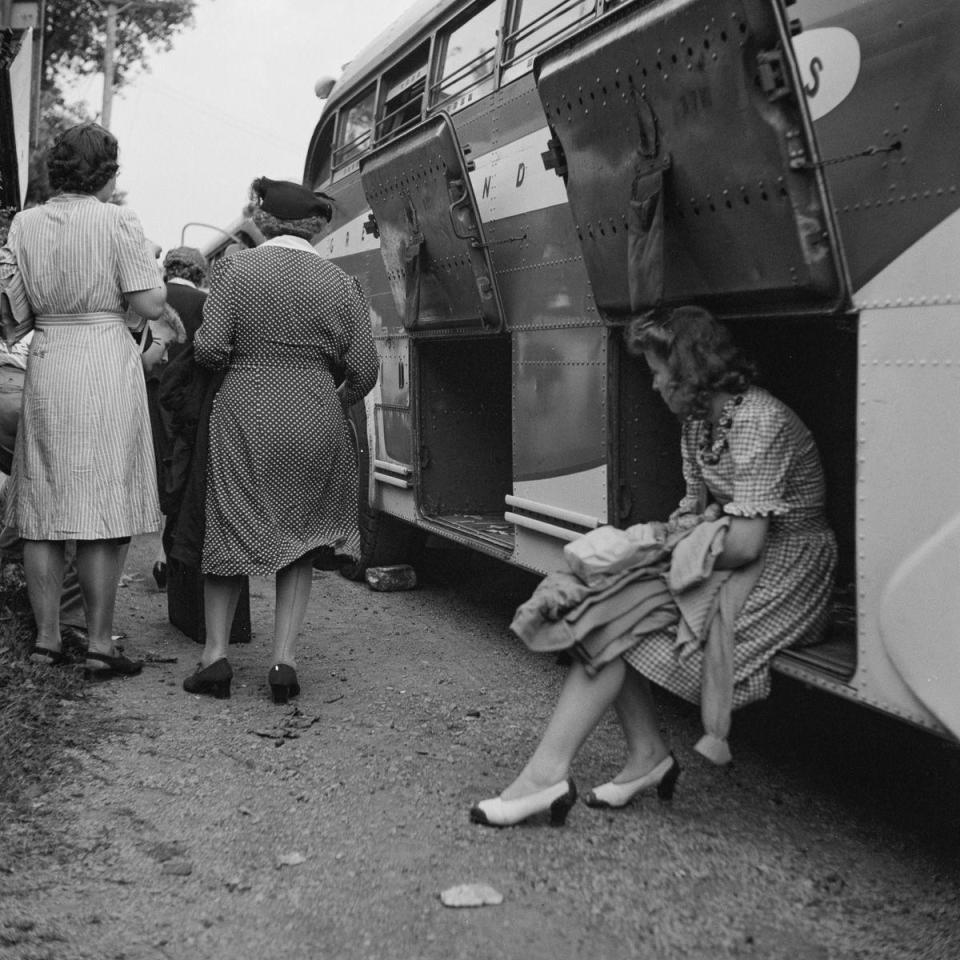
199 829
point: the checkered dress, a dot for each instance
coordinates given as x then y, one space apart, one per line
282 476
764 463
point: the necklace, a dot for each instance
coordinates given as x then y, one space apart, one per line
714 440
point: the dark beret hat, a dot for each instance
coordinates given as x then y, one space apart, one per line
290 201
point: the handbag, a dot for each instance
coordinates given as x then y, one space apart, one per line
16 314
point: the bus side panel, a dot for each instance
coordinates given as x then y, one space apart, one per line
559 407
542 279
878 74
356 249
559 434
908 456
390 431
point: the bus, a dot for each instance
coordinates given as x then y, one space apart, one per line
239 234
514 179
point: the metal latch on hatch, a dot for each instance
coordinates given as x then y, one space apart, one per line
772 70
554 158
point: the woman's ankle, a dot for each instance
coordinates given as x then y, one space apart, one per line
640 764
535 780
48 639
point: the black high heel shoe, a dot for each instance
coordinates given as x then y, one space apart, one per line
160 574
214 679
114 664
283 682
54 658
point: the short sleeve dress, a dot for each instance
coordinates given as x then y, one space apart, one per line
761 461
83 463
281 474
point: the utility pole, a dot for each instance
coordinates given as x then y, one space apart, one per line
112 10
37 75
109 54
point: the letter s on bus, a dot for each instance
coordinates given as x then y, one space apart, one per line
829 62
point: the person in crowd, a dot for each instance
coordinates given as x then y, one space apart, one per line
163 339
83 466
156 339
286 326
185 272
755 486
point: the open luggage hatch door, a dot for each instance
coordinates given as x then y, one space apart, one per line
431 236
689 159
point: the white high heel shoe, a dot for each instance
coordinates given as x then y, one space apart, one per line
663 776
497 812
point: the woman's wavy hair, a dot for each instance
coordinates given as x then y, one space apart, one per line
698 351
82 159
185 263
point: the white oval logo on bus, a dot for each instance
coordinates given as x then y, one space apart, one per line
829 62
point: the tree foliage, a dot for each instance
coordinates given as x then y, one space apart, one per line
74 36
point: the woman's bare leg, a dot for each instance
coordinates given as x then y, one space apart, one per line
292 594
99 565
637 713
583 702
43 568
220 598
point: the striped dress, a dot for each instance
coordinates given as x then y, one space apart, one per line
83 465
760 462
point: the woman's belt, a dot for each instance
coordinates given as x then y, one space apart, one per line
66 319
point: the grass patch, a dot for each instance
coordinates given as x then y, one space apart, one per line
40 719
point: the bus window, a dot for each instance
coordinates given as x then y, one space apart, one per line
320 155
355 130
465 64
403 95
535 25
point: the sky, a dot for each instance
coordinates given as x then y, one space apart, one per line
233 100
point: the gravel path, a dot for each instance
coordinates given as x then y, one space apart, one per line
203 829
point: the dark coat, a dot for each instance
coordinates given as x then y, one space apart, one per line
186 392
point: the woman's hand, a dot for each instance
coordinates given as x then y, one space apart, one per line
743 543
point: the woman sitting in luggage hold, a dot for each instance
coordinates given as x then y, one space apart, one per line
753 514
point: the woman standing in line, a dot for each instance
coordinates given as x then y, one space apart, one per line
748 456
83 465
286 325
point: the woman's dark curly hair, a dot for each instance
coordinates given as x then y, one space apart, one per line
697 350
271 226
83 159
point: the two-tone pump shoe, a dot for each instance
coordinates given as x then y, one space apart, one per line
557 800
663 777
213 680
282 680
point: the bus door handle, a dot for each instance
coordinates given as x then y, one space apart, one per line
460 201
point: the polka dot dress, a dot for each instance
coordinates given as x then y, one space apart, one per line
282 478
761 462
